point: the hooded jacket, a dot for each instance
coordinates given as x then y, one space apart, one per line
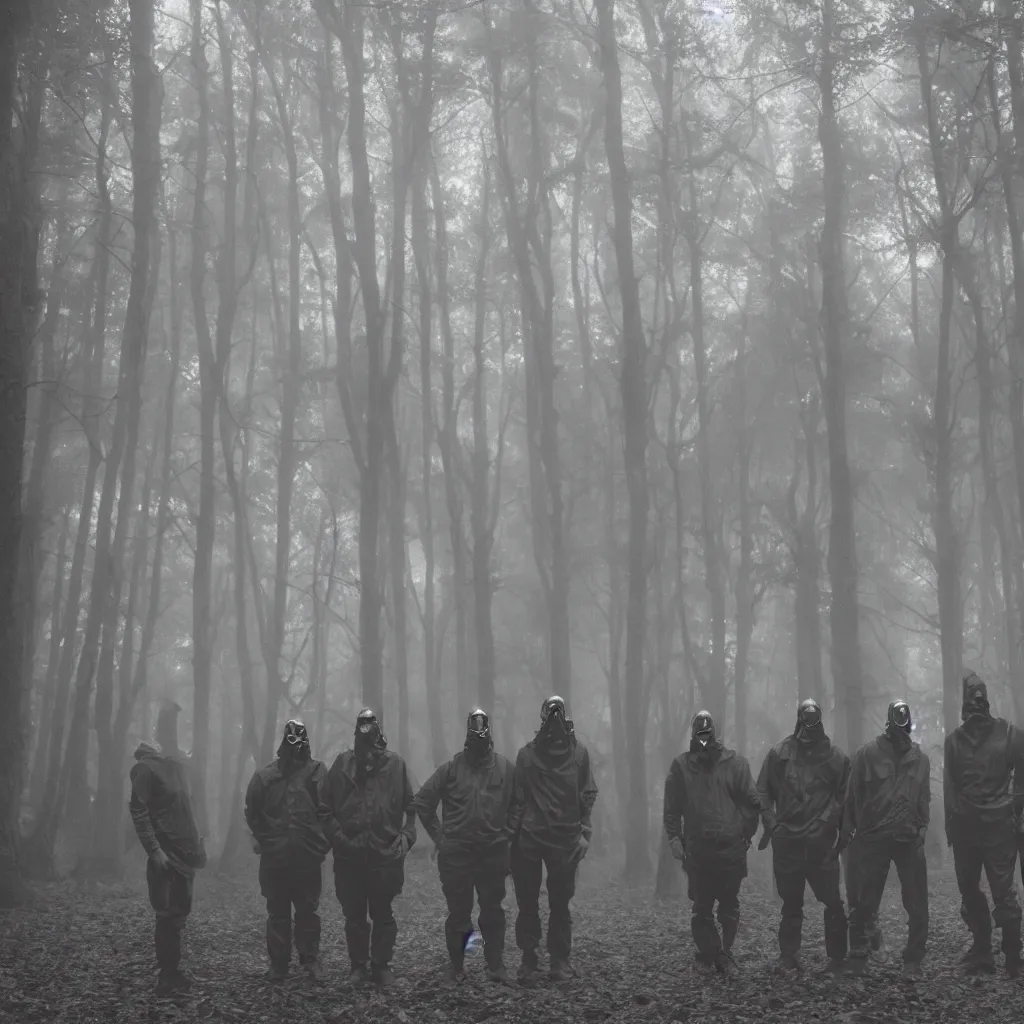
475 799
980 757
281 808
368 814
554 794
889 793
802 787
711 803
161 808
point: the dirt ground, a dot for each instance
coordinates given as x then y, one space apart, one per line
79 955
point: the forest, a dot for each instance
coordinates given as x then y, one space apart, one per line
660 354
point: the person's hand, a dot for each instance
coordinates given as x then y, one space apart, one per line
766 838
582 845
676 846
159 859
256 845
843 840
202 853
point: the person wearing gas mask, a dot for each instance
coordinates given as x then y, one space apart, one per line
550 817
711 811
984 764
164 817
475 790
802 786
885 818
281 812
368 816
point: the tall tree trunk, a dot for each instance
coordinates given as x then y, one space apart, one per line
633 382
947 537
206 517
347 24
744 582
480 508
844 615
19 232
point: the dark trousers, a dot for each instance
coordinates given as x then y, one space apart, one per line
463 870
872 858
528 863
367 887
995 851
813 862
170 895
709 884
286 883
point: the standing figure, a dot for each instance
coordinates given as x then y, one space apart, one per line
165 822
981 756
281 812
802 786
475 790
367 814
710 815
885 819
550 821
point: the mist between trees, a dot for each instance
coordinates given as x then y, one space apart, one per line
656 354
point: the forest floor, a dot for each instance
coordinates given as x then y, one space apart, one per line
79 955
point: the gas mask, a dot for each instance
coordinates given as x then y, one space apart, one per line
369 737
478 734
295 742
898 720
702 731
554 725
975 698
809 727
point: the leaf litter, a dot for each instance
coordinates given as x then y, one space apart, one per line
86 956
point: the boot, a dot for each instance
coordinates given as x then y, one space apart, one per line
789 962
1014 964
383 976
528 969
836 966
277 973
453 975
911 970
979 959
561 971
315 971
172 982
357 976
856 966
724 963
496 972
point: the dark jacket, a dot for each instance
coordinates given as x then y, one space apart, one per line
475 800
889 793
368 814
161 808
555 794
712 804
802 788
981 756
281 809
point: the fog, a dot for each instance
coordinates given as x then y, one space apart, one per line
423 356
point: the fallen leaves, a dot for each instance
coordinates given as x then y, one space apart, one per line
76 956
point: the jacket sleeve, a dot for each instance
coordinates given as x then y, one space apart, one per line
587 794
409 803
427 800
840 793
327 805
517 807
766 790
254 807
850 804
142 781
924 798
1017 760
949 787
747 798
672 812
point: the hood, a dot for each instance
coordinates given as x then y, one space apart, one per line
975 698
144 751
